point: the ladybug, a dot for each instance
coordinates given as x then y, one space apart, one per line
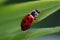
29 19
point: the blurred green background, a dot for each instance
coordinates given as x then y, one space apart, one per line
46 26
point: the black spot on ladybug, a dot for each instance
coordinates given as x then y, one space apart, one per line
24 21
26 26
30 21
27 18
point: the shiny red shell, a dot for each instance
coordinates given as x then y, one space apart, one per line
26 22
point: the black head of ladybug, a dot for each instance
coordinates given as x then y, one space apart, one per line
35 13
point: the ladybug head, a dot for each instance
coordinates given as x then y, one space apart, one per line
35 13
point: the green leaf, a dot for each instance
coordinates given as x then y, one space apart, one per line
2 1
11 16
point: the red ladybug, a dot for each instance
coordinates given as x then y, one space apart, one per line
29 19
